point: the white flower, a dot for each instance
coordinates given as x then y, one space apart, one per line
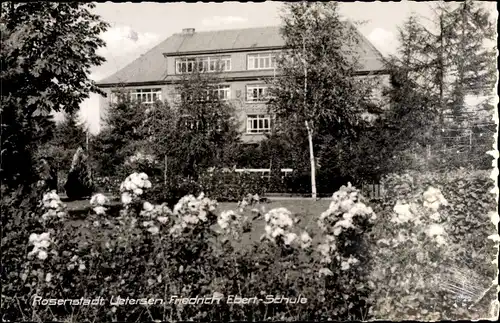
435 216
403 213
138 191
440 240
126 198
153 230
82 267
147 206
289 238
324 249
433 199
325 272
305 238
191 219
346 205
100 210
44 244
48 277
162 219
34 237
277 232
344 265
203 216
42 255
435 230
147 223
98 199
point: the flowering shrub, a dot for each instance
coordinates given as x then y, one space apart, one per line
54 208
98 201
439 256
133 187
150 250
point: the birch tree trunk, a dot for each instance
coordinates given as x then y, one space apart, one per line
312 160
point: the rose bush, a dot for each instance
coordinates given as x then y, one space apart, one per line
432 255
150 250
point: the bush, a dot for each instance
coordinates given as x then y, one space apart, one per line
153 251
433 230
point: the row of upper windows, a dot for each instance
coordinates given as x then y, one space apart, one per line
255 123
262 61
254 93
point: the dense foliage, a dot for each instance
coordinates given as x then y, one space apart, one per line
48 49
148 250
435 247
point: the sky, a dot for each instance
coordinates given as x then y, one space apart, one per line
137 27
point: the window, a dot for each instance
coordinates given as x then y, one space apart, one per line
223 92
257 93
145 95
261 61
203 64
258 123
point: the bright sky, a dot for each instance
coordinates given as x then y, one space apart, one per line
137 27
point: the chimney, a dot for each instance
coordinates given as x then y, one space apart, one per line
188 31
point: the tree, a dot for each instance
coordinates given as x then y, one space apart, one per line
68 136
48 49
202 131
316 89
445 64
122 134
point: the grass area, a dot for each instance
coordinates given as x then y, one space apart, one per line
306 210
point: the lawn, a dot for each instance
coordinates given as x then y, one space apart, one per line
306 210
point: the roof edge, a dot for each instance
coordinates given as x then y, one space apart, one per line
229 78
217 51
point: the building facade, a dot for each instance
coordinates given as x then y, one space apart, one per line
244 59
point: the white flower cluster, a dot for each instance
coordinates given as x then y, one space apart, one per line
346 264
41 243
410 212
279 224
437 232
76 261
404 213
342 211
134 186
228 221
248 200
190 211
98 201
327 248
53 206
159 213
433 199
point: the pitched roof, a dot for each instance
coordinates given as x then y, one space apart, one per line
152 66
